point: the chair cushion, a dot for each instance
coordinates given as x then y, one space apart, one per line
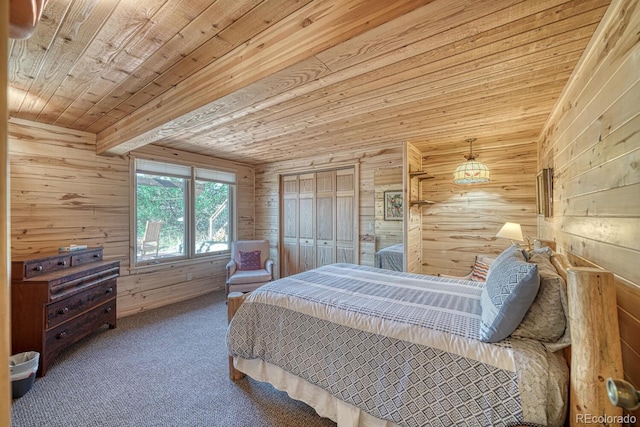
512 285
248 246
250 276
249 261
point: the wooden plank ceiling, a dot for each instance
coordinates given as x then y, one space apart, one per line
266 80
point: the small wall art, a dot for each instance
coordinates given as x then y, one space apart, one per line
393 205
544 192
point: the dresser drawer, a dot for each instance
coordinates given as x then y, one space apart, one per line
75 329
75 283
24 268
86 257
44 266
70 307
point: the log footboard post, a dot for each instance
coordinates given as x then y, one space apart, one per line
234 300
595 345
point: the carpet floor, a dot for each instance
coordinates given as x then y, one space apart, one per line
162 367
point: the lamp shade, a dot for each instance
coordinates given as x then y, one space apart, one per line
471 172
511 231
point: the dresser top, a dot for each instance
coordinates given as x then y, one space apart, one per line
51 254
29 267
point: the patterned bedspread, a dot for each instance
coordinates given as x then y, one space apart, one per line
399 346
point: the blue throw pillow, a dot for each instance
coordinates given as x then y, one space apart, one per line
512 285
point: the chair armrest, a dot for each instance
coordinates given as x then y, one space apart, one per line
231 268
268 265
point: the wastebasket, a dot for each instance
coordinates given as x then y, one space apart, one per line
23 372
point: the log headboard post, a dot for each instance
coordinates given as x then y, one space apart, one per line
595 345
540 243
234 301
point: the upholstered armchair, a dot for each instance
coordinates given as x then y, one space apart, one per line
250 265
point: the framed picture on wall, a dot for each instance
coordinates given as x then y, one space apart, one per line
544 192
393 206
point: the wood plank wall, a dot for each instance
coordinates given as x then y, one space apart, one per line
509 197
62 193
369 158
592 142
465 218
5 310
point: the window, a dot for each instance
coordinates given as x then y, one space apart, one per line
181 211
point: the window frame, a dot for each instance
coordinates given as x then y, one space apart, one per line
190 254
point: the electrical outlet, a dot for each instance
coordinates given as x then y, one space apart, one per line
189 277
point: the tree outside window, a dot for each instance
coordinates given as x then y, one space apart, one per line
213 224
181 211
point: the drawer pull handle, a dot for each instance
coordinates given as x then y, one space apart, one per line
63 310
39 268
108 291
107 310
61 335
96 255
62 263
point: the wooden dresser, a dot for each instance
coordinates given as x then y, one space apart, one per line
59 298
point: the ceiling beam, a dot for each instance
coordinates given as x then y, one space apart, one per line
312 29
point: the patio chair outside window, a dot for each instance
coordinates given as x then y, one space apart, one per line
151 239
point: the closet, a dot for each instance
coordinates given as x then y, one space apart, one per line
319 219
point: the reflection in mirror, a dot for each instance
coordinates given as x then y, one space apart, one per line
389 232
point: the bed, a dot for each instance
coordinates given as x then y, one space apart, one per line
372 347
390 258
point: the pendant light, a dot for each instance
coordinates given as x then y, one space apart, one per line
471 171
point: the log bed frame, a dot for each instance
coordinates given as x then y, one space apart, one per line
595 353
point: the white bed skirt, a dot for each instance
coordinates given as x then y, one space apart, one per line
325 404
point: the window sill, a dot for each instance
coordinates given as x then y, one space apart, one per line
164 265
